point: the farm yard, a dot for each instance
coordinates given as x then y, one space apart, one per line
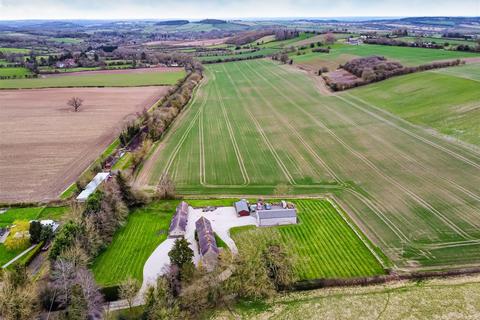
46 145
255 125
325 245
109 78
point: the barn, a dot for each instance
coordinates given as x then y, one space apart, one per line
275 215
207 243
242 209
178 225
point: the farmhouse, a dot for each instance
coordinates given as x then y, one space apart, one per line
241 207
275 214
179 221
207 244
92 186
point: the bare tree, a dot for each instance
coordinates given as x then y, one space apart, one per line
330 38
128 290
75 102
90 291
165 187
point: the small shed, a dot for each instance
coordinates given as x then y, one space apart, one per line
242 209
276 216
178 225
207 243
92 186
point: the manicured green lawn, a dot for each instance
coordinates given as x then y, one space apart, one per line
97 80
145 229
6 255
325 245
13 214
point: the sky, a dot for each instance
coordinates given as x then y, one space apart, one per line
199 9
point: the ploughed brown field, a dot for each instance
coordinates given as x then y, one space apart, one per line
45 145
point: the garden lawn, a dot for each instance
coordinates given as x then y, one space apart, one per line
325 245
97 80
14 72
145 229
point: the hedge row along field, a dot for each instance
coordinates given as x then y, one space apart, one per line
254 125
325 245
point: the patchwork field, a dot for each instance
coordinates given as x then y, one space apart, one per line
253 125
325 245
45 145
446 100
110 78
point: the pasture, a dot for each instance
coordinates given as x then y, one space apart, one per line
254 125
451 298
325 245
445 100
14 72
46 145
341 53
14 50
112 78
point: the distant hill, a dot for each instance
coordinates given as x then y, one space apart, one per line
212 21
172 23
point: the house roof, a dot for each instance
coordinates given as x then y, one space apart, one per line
180 218
276 213
92 186
241 206
206 237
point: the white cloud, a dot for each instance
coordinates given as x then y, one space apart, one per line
196 9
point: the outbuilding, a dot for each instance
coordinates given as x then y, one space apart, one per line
178 225
207 243
92 186
276 215
242 209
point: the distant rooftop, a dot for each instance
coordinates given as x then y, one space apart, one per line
92 186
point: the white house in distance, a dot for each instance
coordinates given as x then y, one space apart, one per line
92 186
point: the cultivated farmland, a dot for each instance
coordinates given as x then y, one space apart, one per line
111 78
325 245
45 145
253 125
446 100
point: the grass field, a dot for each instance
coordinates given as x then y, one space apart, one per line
405 55
14 50
325 245
446 100
145 229
263 51
254 124
97 80
14 72
453 298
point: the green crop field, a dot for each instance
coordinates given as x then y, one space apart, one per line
67 40
14 72
263 51
325 245
145 229
14 50
254 124
405 55
97 80
446 100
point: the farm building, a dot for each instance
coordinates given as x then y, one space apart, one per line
50 223
276 214
207 244
242 209
179 221
92 186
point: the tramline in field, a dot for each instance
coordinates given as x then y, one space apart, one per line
254 125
